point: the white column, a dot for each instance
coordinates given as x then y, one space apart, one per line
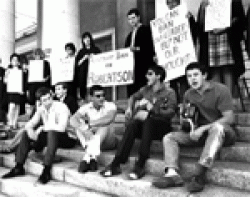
60 24
7 31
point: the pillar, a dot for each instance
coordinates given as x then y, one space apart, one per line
7 32
60 23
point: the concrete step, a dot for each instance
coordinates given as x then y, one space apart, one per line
27 186
120 186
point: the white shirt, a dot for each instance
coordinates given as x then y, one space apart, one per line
56 118
95 114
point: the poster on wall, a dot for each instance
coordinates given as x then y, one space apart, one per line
15 81
111 68
35 71
173 41
62 70
218 14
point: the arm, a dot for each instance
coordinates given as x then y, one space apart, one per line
105 120
33 121
76 120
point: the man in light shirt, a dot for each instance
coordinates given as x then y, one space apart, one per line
54 116
92 123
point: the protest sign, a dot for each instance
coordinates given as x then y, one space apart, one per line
218 14
35 71
173 41
111 68
62 70
15 81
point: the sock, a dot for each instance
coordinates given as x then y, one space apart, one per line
86 157
47 168
19 166
201 170
170 172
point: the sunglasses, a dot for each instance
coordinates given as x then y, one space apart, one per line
99 95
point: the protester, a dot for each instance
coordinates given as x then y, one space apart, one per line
53 134
214 129
141 44
93 126
39 55
220 49
82 61
149 115
15 95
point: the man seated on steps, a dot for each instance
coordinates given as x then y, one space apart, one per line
149 115
54 116
61 94
93 126
215 129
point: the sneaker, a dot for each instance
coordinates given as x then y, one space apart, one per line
166 182
83 167
45 177
196 184
93 165
14 172
137 173
111 171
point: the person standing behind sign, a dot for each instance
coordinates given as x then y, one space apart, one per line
180 84
70 50
141 44
38 54
82 61
220 49
15 81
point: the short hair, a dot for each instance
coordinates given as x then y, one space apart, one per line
42 92
178 2
134 11
71 46
159 70
196 65
63 84
94 88
15 55
39 51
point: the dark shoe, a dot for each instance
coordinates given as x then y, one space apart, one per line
196 184
83 167
166 182
14 172
93 165
111 171
137 173
45 177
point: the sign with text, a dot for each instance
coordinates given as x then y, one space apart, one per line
15 81
111 68
35 71
173 42
218 14
62 70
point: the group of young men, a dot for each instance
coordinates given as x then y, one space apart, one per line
148 117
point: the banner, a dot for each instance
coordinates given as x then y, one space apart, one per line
35 73
15 81
62 69
218 14
111 68
173 41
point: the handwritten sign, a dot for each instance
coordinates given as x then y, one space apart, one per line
35 71
173 42
62 70
111 68
218 14
15 81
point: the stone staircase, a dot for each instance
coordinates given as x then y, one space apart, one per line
230 176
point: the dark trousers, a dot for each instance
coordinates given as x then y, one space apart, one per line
148 130
51 139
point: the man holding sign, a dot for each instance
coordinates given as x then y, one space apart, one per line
220 42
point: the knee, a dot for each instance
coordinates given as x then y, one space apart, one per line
217 130
167 138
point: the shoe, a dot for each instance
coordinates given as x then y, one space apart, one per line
83 167
111 171
93 165
196 184
137 173
14 172
45 177
166 182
